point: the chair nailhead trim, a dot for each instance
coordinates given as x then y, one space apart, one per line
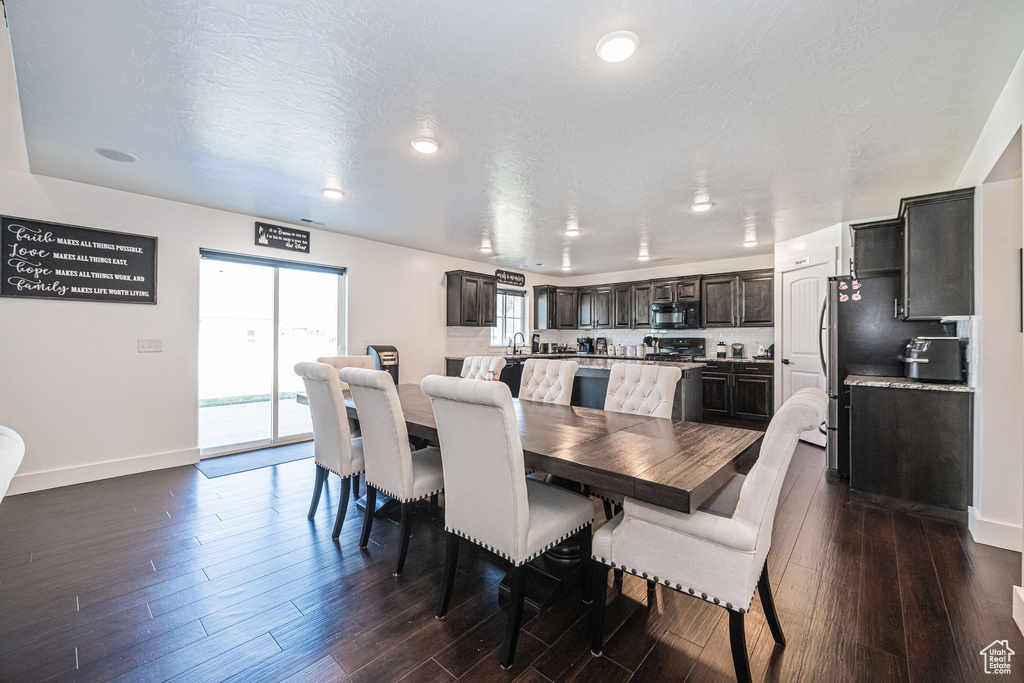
509 557
399 498
343 476
679 587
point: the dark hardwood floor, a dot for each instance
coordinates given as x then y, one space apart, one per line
169 575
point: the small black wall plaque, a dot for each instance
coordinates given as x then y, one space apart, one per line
52 261
280 237
507 277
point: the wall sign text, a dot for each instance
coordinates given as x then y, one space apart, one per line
280 237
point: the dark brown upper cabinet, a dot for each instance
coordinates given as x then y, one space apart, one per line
622 306
877 247
663 291
586 303
568 308
602 311
642 294
938 255
738 299
472 299
545 314
718 300
688 289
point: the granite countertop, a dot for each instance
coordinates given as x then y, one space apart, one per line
903 383
593 360
604 356
713 359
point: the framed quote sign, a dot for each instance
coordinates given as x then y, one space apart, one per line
53 261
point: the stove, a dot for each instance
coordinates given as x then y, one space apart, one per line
679 349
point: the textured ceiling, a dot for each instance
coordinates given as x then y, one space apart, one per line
792 116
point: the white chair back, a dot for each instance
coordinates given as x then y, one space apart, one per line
548 381
385 436
332 440
479 367
339 362
12 451
642 389
484 474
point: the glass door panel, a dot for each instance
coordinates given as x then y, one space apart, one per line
236 353
307 329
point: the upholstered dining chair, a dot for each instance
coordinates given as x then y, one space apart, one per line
641 390
392 467
717 553
339 362
548 381
488 499
482 367
334 449
12 451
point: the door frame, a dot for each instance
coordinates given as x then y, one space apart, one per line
811 259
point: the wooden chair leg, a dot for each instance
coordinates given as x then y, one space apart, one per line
764 589
586 550
652 592
618 580
346 487
516 598
608 514
599 582
406 532
738 641
371 505
433 506
318 487
451 560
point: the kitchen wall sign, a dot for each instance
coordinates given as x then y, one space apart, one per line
53 261
280 237
507 277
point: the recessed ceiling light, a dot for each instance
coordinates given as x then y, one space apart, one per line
333 193
114 155
572 227
701 206
485 250
618 46
425 145
644 257
567 267
750 243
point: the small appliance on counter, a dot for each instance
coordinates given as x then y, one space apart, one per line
678 349
535 344
721 350
737 350
585 344
601 345
384 358
936 359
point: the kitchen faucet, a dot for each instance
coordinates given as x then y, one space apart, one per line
515 351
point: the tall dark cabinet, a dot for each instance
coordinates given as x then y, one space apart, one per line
472 299
739 299
718 300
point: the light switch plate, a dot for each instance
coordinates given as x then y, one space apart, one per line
151 346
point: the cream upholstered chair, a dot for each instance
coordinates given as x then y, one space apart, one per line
392 467
489 500
334 449
479 367
716 553
339 362
548 381
12 451
641 390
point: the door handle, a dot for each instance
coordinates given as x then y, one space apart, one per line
785 361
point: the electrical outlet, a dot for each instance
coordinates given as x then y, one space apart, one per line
151 346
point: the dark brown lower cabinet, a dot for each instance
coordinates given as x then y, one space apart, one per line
912 448
738 394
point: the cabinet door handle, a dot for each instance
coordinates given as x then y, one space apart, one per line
896 308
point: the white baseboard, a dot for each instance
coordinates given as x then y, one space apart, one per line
67 476
1018 607
991 532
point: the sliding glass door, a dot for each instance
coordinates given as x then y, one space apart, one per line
256 321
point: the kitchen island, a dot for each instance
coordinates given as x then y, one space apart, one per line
591 382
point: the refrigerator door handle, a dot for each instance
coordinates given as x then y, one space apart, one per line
821 345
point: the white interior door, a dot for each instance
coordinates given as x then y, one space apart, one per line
803 292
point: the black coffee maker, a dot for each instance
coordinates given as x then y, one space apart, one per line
585 344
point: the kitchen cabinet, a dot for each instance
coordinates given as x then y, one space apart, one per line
913 448
739 394
567 308
642 293
622 305
738 299
545 313
688 289
602 308
938 255
756 306
877 247
663 291
586 306
472 299
675 289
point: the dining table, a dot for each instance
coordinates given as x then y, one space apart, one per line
673 464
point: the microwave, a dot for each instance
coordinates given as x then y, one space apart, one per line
681 315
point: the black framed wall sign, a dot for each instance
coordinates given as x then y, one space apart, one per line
53 261
508 277
281 237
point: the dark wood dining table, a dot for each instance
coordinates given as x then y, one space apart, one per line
676 465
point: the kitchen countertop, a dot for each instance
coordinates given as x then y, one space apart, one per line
713 359
605 356
903 383
598 361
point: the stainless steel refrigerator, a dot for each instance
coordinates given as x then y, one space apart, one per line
866 335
